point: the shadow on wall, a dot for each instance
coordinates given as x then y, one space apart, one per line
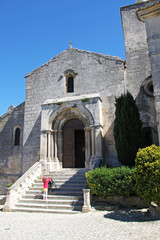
146 106
10 155
31 148
15 160
109 150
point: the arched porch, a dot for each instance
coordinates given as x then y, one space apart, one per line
55 122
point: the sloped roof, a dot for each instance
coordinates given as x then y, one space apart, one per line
112 58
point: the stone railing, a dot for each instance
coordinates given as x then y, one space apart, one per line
15 192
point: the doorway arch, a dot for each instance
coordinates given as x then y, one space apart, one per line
73 144
83 128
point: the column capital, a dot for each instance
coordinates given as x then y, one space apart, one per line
46 131
43 131
96 126
54 131
87 129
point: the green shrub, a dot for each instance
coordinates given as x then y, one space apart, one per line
147 174
111 181
9 185
59 103
85 100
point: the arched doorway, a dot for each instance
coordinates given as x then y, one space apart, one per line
73 144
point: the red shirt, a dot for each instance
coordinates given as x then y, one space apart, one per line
45 181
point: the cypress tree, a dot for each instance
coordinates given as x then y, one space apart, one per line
127 129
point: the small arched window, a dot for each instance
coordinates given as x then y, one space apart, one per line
70 84
17 137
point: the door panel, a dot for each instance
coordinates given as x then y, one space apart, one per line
73 144
79 149
68 148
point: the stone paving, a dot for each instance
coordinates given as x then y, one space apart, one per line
113 225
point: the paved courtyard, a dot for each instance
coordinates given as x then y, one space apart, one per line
114 225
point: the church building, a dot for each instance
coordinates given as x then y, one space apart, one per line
68 115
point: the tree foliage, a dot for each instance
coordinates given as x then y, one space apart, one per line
127 129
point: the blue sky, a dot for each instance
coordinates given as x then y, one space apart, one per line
34 31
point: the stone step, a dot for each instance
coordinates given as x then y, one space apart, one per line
67 189
67 197
71 170
65 184
62 187
53 202
68 193
63 180
45 205
66 178
65 193
38 210
52 197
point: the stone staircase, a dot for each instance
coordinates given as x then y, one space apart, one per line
67 197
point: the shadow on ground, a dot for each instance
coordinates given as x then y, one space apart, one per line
131 216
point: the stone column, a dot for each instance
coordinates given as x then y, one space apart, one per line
43 151
87 206
96 158
87 147
49 146
49 164
55 162
43 145
51 139
150 14
55 145
60 148
98 141
93 140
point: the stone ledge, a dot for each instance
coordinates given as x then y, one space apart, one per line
154 210
118 202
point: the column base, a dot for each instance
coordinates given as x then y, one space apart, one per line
44 166
87 164
86 209
96 161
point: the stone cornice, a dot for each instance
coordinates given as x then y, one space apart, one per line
72 99
148 12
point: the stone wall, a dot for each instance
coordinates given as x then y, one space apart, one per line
94 73
10 155
138 69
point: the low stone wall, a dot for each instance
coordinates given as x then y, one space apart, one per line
117 201
15 192
154 210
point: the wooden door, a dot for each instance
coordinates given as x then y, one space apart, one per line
73 144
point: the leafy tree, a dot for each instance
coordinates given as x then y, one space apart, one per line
127 129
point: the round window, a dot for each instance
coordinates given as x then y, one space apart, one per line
148 87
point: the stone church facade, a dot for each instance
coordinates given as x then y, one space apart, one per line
68 115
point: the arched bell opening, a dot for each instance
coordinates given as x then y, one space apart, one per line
73 136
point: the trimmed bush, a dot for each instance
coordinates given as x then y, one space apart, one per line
147 174
111 181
